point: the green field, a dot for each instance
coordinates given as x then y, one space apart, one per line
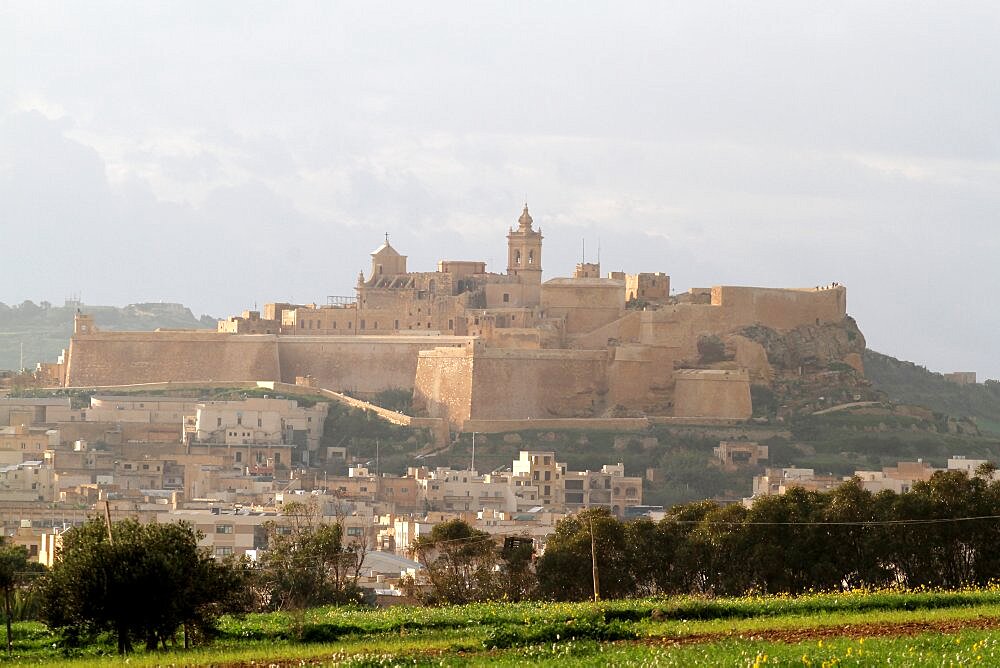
859 628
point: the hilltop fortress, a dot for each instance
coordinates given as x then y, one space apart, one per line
479 346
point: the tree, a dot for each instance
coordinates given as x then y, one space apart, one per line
461 562
149 581
306 562
565 570
14 563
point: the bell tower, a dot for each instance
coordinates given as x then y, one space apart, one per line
524 250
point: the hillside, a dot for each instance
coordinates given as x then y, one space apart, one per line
44 329
907 383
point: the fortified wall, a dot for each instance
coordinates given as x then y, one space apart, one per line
363 364
481 383
124 358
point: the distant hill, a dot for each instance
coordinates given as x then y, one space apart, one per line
905 382
44 329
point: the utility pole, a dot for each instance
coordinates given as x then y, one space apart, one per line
593 561
107 521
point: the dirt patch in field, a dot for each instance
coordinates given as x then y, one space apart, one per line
868 630
784 635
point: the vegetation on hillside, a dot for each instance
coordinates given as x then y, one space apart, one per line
908 383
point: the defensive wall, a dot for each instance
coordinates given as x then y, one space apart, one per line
121 358
781 308
361 364
712 393
478 383
585 303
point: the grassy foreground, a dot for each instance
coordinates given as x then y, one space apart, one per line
861 628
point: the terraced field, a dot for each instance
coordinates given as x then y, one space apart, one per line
858 628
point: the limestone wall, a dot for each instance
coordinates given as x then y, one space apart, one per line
504 384
512 384
121 358
585 303
781 309
624 329
712 393
443 384
363 364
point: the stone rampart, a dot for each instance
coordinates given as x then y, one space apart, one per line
122 358
443 384
361 364
780 309
712 393
512 384
478 383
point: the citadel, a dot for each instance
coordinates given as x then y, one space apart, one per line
478 348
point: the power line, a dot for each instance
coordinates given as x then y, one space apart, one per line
942 520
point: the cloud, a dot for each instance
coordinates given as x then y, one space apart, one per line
221 157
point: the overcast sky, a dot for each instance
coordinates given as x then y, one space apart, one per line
230 153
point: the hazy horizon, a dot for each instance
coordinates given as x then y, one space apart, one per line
228 154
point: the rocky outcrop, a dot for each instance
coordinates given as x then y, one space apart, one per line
810 348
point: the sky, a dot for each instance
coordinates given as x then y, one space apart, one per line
228 154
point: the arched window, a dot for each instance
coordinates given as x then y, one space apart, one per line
531 257
517 257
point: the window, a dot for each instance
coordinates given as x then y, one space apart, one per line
145 467
277 458
218 422
362 324
531 257
355 531
239 418
548 490
302 324
395 324
223 528
334 324
239 457
548 475
376 325
451 324
223 551
506 297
